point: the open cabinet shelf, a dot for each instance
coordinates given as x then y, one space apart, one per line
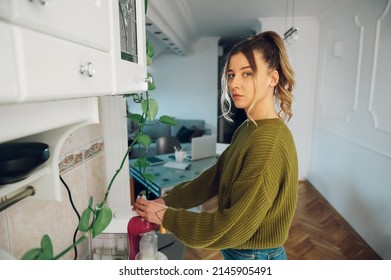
50 123
13 188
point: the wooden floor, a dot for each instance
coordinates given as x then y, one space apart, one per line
318 232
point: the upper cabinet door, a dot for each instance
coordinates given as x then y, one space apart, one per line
81 21
9 90
129 50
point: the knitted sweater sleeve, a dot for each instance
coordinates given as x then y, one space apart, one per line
195 192
223 229
250 199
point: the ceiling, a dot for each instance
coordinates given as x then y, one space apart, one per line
226 17
182 22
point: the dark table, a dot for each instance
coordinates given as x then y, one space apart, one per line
170 246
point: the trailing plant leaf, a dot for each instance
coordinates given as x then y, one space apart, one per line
32 254
42 256
146 5
144 140
85 219
149 60
102 221
43 253
141 163
167 120
150 107
47 248
151 85
135 117
90 201
142 193
148 177
150 49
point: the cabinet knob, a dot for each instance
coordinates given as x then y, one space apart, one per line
148 80
87 69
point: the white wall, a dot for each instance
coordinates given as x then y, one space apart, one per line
186 86
303 57
351 151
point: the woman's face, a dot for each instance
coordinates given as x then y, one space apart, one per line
243 84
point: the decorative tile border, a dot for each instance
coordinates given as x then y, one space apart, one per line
93 150
70 161
75 159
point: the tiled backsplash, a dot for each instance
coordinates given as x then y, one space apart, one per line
82 166
74 159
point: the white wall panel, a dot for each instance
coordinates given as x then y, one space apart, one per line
380 96
341 69
351 147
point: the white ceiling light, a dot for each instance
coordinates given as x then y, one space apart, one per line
292 34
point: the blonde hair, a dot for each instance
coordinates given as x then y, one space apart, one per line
272 48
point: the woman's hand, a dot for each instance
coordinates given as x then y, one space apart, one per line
153 211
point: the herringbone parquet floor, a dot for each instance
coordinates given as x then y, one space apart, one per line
318 232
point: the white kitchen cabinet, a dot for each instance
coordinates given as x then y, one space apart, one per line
55 49
129 46
81 21
9 91
60 49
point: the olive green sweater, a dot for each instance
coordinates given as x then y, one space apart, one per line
255 179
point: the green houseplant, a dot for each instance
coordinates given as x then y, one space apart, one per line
95 219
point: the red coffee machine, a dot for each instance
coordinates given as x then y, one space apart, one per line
136 227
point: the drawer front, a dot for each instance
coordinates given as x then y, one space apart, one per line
51 68
9 91
82 21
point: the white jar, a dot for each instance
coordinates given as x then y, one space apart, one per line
148 246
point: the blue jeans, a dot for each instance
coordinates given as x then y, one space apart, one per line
255 254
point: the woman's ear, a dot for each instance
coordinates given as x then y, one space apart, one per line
274 78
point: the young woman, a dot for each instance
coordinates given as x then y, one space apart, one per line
256 177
